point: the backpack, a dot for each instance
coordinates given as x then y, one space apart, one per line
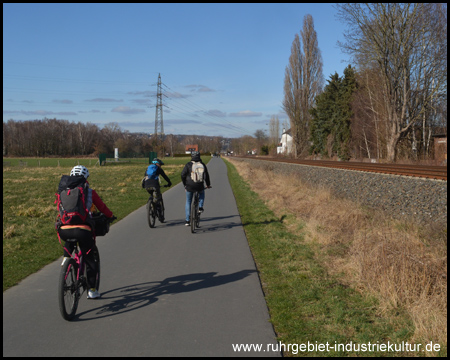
71 199
197 172
152 172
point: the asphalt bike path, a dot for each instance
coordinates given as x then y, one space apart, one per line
165 291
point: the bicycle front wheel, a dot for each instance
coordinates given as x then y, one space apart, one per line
68 289
151 214
197 218
97 262
161 211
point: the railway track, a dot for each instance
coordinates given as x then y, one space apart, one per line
423 171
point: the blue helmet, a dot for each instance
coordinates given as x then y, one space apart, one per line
157 161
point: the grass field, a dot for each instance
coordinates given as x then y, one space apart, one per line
29 213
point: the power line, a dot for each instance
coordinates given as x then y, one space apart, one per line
194 107
180 105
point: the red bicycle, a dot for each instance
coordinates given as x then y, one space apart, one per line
72 279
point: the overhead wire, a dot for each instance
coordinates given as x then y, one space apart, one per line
209 116
178 105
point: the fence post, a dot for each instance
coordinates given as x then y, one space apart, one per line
152 155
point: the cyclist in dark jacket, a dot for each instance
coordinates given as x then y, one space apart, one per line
192 186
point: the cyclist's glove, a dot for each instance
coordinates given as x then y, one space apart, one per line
111 219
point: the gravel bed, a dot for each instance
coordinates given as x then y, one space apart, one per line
419 199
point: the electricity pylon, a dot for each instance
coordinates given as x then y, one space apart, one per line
159 125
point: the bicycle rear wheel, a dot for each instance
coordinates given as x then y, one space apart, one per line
193 213
68 289
151 213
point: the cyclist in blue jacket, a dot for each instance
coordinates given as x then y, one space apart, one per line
150 182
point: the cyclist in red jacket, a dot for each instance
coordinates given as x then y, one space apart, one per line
84 233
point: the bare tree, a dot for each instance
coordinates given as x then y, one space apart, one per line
86 135
407 44
274 130
244 144
302 83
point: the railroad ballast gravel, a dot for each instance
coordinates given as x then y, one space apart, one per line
420 199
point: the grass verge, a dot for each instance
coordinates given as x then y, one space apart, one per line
309 296
29 213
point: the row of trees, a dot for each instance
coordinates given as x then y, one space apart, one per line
52 137
391 103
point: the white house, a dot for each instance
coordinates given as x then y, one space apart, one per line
285 145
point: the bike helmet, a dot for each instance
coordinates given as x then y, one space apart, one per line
157 161
195 156
79 170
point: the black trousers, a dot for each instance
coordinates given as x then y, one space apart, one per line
87 246
155 192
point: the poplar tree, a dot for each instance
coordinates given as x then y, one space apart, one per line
302 83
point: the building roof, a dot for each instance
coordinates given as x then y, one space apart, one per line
192 147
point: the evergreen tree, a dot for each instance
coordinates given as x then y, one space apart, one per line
324 116
343 132
330 124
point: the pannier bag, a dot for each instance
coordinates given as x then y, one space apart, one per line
101 224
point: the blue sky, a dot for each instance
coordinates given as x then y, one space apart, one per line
222 65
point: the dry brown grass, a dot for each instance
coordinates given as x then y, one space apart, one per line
403 265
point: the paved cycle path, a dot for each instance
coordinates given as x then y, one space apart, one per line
165 291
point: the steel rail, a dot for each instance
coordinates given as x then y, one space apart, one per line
423 171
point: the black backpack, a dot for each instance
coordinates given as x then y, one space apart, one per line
71 200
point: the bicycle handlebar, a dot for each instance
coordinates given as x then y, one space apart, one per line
206 187
101 215
110 220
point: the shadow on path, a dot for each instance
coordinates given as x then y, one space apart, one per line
210 223
133 297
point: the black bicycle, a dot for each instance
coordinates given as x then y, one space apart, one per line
155 209
195 211
72 278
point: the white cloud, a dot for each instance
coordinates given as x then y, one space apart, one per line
127 110
104 100
245 113
38 112
216 113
